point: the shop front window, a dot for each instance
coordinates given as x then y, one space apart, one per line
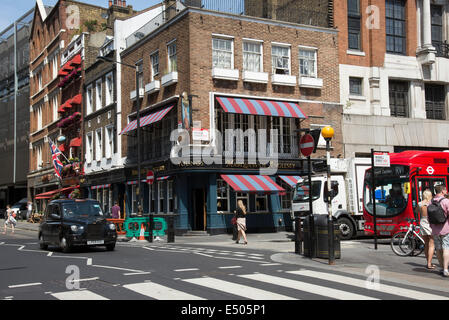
222 196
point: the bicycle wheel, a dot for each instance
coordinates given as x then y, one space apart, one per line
419 247
402 245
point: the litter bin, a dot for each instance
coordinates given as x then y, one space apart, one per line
318 246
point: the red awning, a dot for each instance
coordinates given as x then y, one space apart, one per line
76 61
75 142
49 194
67 67
62 73
77 99
252 183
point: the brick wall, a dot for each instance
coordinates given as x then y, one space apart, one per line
193 33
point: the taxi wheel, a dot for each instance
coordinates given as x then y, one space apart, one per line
110 247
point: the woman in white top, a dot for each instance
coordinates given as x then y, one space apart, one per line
426 230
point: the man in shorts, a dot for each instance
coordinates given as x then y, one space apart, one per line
440 232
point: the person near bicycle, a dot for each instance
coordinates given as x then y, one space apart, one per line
426 230
440 232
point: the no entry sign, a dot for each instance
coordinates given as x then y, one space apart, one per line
150 177
306 145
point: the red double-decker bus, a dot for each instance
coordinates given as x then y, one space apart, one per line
398 188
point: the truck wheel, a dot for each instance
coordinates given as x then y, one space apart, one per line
346 228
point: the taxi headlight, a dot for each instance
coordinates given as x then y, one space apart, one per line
112 226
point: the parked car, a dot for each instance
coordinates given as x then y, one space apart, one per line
20 209
78 222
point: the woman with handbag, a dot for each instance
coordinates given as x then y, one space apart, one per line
241 221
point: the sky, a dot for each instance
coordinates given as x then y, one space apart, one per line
10 10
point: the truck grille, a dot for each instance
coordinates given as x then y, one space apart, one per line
95 231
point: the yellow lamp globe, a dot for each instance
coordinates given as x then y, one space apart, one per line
327 132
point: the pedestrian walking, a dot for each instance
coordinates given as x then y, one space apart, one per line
10 219
426 230
440 231
115 211
29 210
241 221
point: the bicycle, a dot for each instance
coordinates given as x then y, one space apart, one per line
408 243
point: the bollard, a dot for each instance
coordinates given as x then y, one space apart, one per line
298 236
151 224
171 230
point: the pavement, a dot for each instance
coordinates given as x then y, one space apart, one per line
358 256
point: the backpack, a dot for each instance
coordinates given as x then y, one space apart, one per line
436 213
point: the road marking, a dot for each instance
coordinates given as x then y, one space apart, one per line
230 267
49 254
384 288
78 295
270 264
135 273
24 285
89 262
237 289
307 287
160 292
202 254
2 243
117 268
88 279
182 270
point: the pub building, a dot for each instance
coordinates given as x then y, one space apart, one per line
204 76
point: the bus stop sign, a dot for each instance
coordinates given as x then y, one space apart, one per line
306 145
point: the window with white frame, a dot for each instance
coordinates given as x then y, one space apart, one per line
252 56
89 147
307 62
355 86
222 196
261 203
139 65
160 186
54 103
39 80
109 89
172 57
98 144
98 95
55 66
222 53
245 199
89 99
39 161
154 64
286 199
152 197
280 56
39 117
109 143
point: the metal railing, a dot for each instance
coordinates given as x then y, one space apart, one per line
442 48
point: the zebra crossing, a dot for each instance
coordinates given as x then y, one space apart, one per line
300 284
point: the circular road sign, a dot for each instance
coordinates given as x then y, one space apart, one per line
306 145
150 177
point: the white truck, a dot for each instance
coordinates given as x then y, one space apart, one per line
347 205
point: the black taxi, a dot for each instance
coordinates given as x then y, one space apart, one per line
78 222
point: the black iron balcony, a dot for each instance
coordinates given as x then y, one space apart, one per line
442 48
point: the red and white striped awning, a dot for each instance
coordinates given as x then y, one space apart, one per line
147 120
135 182
252 183
262 107
291 180
163 178
102 186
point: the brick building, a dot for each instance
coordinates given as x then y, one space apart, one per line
207 71
59 35
394 84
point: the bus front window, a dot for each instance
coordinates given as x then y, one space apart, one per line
391 197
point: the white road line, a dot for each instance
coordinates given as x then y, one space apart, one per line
89 262
230 267
88 279
270 264
237 289
117 268
384 288
202 254
78 295
2 243
135 273
160 292
24 285
49 254
307 287
182 270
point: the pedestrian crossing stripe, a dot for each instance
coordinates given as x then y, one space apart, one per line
384 288
158 291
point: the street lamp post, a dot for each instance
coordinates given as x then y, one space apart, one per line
139 178
327 133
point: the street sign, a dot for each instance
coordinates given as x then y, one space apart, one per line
150 177
382 160
306 145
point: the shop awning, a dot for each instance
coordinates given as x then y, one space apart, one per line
252 183
50 194
147 120
163 178
262 107
76 61
77 99
75 142
134 182
102 186
291 180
